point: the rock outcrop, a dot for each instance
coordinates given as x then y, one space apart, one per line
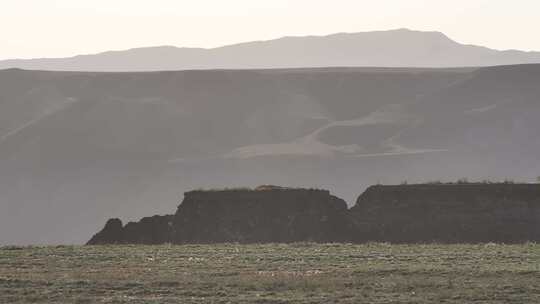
149 230
448 213
265 214
112 233
268 214
442 213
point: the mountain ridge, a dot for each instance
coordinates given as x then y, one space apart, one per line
392 48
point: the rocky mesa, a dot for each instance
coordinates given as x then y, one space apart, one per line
448 213
262 215
422 213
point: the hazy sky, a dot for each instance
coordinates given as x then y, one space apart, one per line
56 28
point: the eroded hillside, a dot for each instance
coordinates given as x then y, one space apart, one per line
83 147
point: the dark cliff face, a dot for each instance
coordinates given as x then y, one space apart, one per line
112 233
149 230
443 213
274 215
456 213
268 214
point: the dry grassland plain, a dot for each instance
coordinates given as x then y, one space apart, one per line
271 273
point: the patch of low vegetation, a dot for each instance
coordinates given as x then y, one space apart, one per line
258 188
272 273
221 189
463 181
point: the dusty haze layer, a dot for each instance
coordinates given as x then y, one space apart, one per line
394 48
78 148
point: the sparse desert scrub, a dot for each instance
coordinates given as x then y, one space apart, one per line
271 273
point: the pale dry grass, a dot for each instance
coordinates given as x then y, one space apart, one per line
273 273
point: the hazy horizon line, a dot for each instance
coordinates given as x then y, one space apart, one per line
261 40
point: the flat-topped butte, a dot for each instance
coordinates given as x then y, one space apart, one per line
416 213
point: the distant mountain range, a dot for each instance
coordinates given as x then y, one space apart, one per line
79 147
394 48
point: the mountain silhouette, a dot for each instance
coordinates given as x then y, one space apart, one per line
394 48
